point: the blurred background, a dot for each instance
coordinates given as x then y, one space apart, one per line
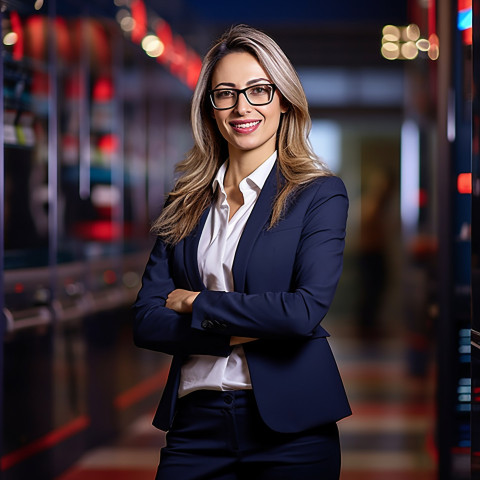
95 112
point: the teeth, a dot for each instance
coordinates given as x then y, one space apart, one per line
247 125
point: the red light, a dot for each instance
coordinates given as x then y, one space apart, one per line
108 144
422 198
177 64
109 277
103 90
36 33
17 28
464 183
62 37
467 36
19 288
164 33
194 66
465 8
432 17
139 14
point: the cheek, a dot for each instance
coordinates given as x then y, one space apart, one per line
219 120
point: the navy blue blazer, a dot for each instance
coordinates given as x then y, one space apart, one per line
285 279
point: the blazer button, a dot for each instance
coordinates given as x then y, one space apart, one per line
207 324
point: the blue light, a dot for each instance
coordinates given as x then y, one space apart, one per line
464 20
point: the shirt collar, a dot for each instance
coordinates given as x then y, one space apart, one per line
258 177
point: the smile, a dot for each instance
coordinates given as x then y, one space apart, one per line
246 127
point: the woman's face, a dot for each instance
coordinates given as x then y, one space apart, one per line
246 128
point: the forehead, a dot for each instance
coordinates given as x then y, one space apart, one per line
237 69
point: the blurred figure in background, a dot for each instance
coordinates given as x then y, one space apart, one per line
377 191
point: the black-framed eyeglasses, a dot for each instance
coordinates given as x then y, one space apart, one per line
257 95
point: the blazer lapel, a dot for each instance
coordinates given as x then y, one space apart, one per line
190 247
259 216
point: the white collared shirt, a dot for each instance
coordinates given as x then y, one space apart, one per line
216 252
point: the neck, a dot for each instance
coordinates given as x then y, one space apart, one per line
241 164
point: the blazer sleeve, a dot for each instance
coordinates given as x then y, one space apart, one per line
159 328
317 269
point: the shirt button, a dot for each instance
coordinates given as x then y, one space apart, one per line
207 324
228 399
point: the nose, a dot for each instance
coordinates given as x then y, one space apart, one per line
243 106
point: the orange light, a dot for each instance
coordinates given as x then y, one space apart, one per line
464 183
467 36
464 4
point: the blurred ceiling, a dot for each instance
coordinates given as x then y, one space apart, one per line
311 32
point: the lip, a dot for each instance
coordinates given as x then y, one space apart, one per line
253 124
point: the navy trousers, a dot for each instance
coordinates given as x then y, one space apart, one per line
221 436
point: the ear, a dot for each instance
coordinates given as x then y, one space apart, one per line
283 104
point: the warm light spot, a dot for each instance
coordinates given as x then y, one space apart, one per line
390 51
121 14
391 32
464 183
423 44
148 41
157 51
153 46
389 38
10 38
433 39
412 32
131 279
127 24
38 4
409 50
433 52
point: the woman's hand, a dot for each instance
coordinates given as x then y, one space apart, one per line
240 340
181 301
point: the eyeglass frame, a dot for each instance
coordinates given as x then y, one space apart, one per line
243 90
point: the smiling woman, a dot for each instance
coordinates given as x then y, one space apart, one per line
247 260
249 128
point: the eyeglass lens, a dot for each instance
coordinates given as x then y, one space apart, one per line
256 95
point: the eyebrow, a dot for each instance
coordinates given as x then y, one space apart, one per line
250 82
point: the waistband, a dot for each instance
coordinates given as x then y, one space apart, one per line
218 399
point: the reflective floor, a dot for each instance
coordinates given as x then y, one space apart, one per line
390 435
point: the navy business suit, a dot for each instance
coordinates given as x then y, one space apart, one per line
285 279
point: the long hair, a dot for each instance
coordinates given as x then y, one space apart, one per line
192 192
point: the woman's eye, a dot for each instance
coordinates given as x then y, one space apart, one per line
224 93
260 90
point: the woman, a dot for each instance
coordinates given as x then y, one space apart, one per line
248 256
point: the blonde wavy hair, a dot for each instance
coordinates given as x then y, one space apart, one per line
296 161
